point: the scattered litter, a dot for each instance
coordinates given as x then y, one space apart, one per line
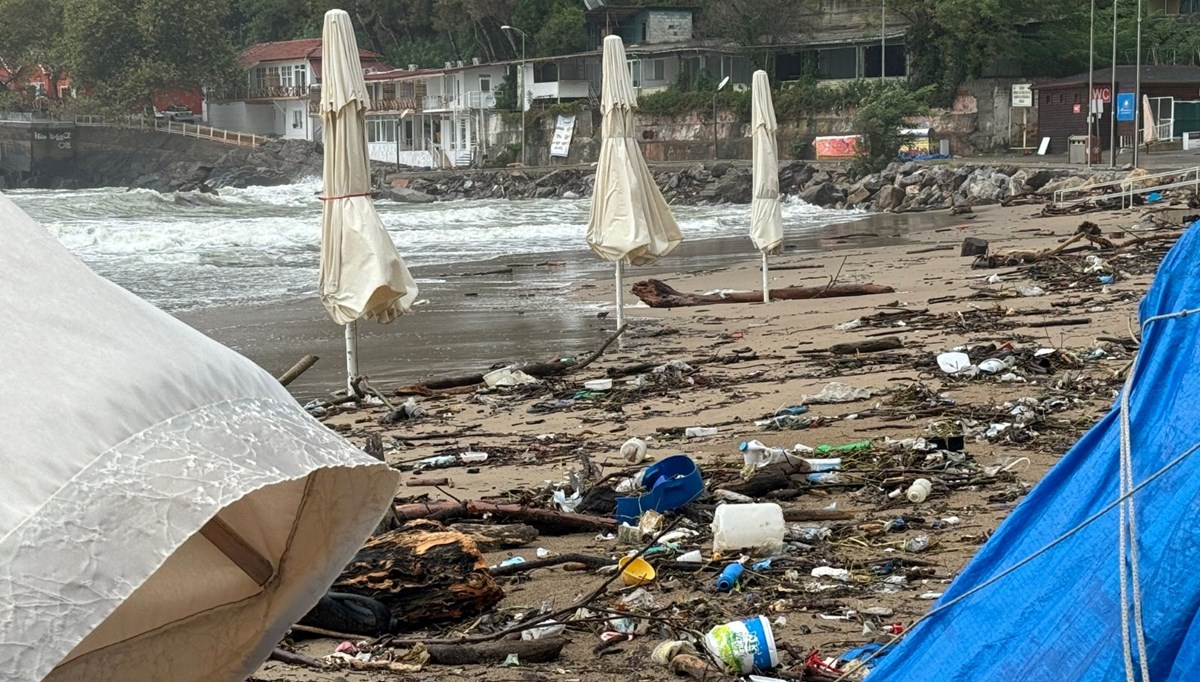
836 392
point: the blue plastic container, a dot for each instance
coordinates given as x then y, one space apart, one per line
730 576
672 483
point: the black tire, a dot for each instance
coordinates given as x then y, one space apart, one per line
349 613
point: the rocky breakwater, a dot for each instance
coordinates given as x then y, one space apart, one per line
901 187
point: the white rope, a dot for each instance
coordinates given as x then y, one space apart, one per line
1125 495
1127 536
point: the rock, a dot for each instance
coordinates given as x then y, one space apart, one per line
1016 184
819 178
569 194
825 195
408 195
889 198
1056 185
1039 178
545 192
857 196
718 169
734 188
905 181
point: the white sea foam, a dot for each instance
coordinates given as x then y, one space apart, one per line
187 250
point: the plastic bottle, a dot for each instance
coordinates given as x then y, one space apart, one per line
634 450
748 526
730 576
699 431
919 490
759 455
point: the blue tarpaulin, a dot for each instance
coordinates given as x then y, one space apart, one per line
1058 618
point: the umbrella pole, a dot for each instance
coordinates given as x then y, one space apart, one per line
766 290
620 294
351 355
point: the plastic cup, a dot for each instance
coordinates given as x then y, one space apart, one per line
636 572
743 646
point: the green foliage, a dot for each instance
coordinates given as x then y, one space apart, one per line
506 92
794 101
125 50
562 32
880 117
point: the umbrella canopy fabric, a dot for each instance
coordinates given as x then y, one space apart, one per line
766 213
629 219
168 510
362 274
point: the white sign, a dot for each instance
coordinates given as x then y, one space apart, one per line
561 144
1022 95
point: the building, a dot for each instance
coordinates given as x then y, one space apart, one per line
1172 94
275 97
845 41
433 118
1174 7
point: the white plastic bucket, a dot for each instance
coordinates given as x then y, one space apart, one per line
743 646
748 526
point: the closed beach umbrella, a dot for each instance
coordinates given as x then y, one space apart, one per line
629 221
167 509
362 274
766 213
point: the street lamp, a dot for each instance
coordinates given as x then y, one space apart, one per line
724 82
521 80
1137 88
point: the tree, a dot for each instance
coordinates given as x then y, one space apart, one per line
950 41
880 118
562 32
28 38
758 24
126 50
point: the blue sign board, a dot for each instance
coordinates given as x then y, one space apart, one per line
1125 106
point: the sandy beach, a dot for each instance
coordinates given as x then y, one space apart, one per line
748 361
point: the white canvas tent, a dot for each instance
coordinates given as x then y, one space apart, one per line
362 274
167 510
629 220
766 212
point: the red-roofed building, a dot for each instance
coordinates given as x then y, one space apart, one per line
275 100
419 117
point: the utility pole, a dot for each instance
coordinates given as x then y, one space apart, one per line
521 84
882 40
1137 88
1112 113
1091 112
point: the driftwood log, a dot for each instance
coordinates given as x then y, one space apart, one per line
541 370
422 576
769 478
657 294
490 537
546 521
868 346
528 651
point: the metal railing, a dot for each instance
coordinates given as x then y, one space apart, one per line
1129 186
208 133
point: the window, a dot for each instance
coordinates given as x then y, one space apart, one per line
297 118
485 83
381 129
644 33
389 91
656 70
300 76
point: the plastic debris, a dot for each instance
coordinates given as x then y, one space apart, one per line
837 392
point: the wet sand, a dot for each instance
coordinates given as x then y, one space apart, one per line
471 323
533 449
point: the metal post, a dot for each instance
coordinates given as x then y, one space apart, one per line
620 294
1112 120
351 355
1137 88
715 125
766 287
1091 83
524 158
882 40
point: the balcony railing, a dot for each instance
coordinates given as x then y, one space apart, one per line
277 92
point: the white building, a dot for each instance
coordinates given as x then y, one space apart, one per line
431 118
434 118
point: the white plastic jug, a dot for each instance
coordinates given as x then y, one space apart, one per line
919 490
757 527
